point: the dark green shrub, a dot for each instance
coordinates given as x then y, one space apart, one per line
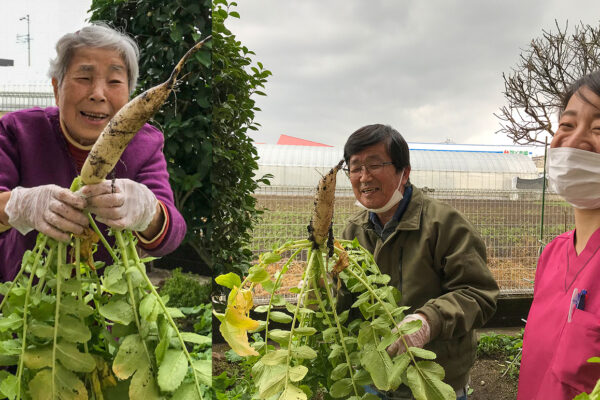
184 290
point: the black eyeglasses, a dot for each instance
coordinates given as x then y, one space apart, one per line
357 170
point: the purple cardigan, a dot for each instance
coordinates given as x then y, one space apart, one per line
33 152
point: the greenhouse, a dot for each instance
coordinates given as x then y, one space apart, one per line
302 166
500 193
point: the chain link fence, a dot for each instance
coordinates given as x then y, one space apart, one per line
508 221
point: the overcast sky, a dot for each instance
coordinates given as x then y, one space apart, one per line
431 69
49 20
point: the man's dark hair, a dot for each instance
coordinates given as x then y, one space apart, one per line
370 135
591 81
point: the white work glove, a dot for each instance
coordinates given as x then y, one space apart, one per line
417 339
50 209
121 204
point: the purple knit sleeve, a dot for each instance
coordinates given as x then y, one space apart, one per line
9 156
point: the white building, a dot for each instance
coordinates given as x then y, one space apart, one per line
449 168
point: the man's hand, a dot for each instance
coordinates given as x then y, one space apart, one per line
51 209
121 203
417 339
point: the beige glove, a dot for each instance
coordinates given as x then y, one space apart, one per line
121 204
50 209
417 339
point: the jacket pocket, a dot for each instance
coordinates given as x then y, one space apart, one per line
580 340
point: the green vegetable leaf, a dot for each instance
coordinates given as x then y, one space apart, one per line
70 305
297 373
143 385
378 364
275 357
281 317
340 371
172 370
130 356
305 331
229 280
195 338
422 353
38 357
425 382
258 273
203 370
292 392
117 310
8 385
149 307
304 352
341 388
12 322
272 380
72 359
113 280
269 258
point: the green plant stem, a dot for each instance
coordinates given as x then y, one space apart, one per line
25 312
283 271
42 282
102 238
309 265
138 264
123 249
338 323
59 263
40 248
96 280
98 394
390 316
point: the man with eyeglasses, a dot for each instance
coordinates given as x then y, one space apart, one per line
433 255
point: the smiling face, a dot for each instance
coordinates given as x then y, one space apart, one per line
579 124
374 189
93 89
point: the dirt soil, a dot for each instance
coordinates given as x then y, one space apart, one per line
487 381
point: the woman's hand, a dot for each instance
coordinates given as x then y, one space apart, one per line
50 209
121 204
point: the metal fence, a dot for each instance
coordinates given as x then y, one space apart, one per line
17 97
509 222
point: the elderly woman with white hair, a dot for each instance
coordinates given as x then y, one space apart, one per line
43 150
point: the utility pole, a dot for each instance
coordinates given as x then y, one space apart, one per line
26 38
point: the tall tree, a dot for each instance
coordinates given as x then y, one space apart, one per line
545 69
236 79
211 159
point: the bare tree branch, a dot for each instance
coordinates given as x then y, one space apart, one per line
545 69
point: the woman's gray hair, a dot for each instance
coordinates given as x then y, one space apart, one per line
98 35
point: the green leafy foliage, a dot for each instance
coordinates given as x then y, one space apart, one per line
234 158
595 393
504 347
70 335
165 31
323 349
184 290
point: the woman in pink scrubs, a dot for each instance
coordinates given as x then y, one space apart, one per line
563 326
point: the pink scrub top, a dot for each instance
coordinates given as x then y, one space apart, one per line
555 351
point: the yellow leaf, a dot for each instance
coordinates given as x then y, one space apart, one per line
236 323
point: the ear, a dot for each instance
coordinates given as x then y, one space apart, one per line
55 89
406 175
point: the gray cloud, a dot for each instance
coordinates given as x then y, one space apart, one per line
432 69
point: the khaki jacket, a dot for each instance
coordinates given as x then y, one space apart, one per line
437 260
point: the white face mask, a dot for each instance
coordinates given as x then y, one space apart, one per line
395 199
574 174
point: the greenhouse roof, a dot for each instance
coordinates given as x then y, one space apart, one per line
421 160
